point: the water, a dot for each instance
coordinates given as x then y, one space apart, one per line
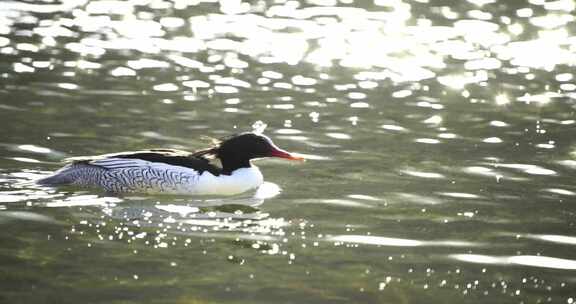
440 139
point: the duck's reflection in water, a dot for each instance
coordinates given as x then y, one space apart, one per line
238 217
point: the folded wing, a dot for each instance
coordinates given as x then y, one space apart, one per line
156 157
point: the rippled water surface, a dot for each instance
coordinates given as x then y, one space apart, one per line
441 139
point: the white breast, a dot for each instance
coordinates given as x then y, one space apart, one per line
241 180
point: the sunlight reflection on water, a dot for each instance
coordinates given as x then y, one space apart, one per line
387 241
523 260
402 46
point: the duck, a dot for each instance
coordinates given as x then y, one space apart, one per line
169 171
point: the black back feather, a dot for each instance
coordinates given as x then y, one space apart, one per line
195 160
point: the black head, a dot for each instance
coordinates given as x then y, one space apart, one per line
237 151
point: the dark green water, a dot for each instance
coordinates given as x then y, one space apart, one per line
441 140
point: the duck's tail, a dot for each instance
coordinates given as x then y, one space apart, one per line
54 180
59 178
74 173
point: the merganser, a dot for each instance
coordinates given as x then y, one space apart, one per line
173 171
